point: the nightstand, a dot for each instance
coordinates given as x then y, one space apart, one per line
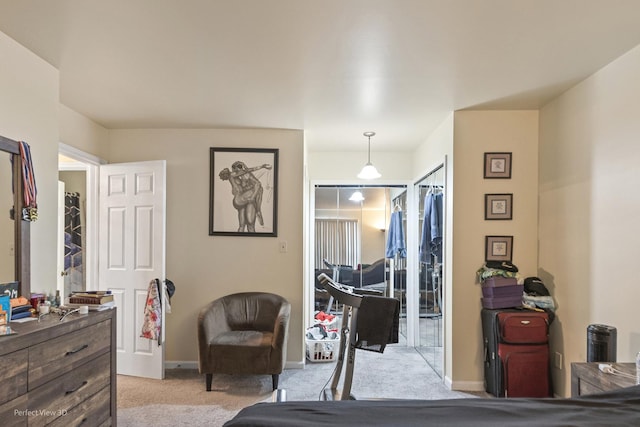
586 378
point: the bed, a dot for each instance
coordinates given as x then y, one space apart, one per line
610 409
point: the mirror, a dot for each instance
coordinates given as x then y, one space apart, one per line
14 241
7 228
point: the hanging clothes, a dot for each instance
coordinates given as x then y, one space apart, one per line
395 239
29 188
152 323
431 238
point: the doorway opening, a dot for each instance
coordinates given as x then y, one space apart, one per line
351 227
77 220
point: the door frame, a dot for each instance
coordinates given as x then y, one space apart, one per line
90 164
412 313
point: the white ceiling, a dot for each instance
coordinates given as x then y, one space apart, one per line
335 68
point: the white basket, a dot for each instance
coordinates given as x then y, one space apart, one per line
322 350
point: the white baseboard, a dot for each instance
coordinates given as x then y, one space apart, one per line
464 385
178 364
294 365
186 364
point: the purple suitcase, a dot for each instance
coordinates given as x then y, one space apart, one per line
498 281
506 302
503 291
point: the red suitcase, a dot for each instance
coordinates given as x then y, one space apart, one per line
523 350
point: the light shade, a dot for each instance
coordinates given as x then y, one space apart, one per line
369 172
356 196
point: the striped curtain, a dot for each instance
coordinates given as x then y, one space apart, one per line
337 242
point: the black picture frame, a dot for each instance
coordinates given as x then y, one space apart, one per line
497 165
498 248
243 192
498 206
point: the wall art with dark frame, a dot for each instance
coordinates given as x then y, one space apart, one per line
243 192
497 165
498 206
498 248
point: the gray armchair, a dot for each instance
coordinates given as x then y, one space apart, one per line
244 333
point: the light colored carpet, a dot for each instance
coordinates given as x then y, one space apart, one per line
181 400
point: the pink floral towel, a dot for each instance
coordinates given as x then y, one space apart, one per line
152 324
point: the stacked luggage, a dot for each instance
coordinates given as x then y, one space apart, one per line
500 288
516 349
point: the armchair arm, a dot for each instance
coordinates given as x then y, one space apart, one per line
211 321
280 334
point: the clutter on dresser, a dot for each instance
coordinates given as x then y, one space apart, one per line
93 300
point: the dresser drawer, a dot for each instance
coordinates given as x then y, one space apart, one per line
14 412
93 412
58 397
13 375
66 352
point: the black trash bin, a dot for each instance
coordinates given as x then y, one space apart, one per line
601 343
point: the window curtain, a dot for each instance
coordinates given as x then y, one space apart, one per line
337 242
73 279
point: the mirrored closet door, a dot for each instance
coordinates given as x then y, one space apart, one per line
431 193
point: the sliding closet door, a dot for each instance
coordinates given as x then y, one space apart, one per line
431 193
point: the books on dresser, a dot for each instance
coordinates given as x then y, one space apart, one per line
95 300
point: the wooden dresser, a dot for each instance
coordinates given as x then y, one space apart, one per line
586 378
60 373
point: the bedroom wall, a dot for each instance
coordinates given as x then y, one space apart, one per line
29 112
206 267
589 210
83 133
477 132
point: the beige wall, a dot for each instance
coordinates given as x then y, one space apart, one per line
206 267
82 133
477 132
344 166
29 112
589 210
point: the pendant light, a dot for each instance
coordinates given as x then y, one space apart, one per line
369 171
356 196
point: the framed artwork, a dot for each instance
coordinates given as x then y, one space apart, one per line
498 206
498 248
243 192
497 165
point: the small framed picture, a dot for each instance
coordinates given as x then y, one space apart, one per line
498 206
497 165
498 248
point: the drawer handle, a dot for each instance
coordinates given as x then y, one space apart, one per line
69 353
84 383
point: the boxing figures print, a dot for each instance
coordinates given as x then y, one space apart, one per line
243 189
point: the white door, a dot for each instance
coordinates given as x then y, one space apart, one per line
131 255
